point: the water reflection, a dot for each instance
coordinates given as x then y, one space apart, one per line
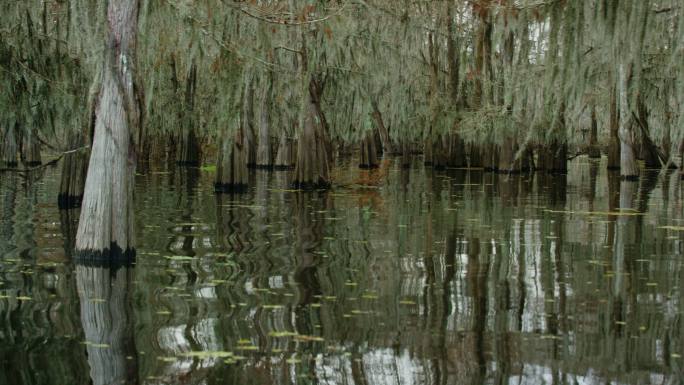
449 277
105 294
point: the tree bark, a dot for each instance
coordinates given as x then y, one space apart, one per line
248 124
73 176
9 147
106 226
508 163
285 156
629 169
312 168
231 171
30 150
387 148
614 126
189 143
264 156
369 156
593 151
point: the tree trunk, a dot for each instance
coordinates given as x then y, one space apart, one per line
264 156
387 148
190 147
614 123
491 157
106 226
312 168
231 171
475 156
369 157
248 125
428 151
649 151
285 156
405 154
629 169
508 163
73 177
9 147
30 150
439 153
593 151
456 153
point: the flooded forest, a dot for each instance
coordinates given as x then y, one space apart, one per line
352 192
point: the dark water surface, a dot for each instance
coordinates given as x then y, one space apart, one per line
448 277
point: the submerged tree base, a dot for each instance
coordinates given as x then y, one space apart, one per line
113 255
229 188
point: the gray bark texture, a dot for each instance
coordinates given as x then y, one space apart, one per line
106 228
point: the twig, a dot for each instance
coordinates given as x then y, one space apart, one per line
50 163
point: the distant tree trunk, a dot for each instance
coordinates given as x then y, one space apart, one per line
456 154
593 151
475 156
681 159
231 171
553 157
248 125
369 157
649 151
614 125
73 177
30 150
264 156
189 143
285 155
491 157
9 146
628 164
439 150
387 148
106 226
428 151
405 154
312 168
507 161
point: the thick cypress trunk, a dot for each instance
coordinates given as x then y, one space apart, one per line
629 169
231 171
30 150
264 156
9 147
312 168
106 226
593 151
614 126
369 156
73 177
285 156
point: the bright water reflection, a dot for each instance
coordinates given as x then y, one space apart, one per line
449 277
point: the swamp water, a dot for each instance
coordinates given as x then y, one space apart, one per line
450 277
